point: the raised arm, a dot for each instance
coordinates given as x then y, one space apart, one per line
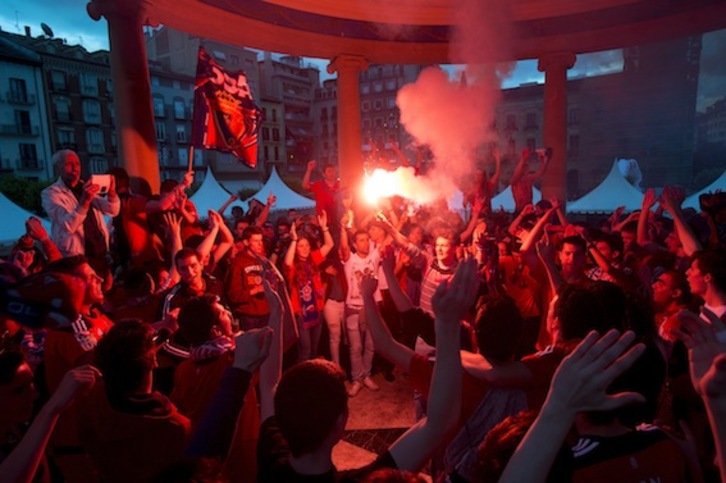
400 299
647 204
518 172
22 463
232 198
671 200
546 254
544 159
344 249
36 231
384 342
536 231
308 172
451 301
226 239
473 220
328 242
292 247
265 213
579 385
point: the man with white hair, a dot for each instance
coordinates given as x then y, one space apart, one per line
76 212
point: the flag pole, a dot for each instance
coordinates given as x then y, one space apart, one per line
191 158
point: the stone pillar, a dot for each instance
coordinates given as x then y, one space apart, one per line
131 87
350 157
555 66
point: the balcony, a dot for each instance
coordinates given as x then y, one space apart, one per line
30 164
22 98
18 130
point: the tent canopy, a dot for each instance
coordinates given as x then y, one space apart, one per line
14 218
287 198
614 191
211 196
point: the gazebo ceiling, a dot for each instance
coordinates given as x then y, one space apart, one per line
418 31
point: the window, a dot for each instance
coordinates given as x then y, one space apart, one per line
181 133
198 157
277 153
377 104
573 115
98 165
28 157
89 84
176 85
94 138
58 80
366 123
511 122
378 86
531 121
160 131
324 114
179 109
163 155
66 137
365 89
62 108
114 140
391 84
574 145
159 109
274 115
267 153
112 113
365 106
155 81
531 144
391 103
17 92
275 134
91 111
22 122
265 133
183 156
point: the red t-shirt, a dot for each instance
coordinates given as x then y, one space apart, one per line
325 197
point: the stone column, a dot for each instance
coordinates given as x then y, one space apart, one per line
350 158
131 87
555 66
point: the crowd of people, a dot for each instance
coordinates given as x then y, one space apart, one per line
168 345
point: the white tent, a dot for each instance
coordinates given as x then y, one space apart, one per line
718 185
614 191
13 221
505 199
211 196
287 199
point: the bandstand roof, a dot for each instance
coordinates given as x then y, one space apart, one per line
418 31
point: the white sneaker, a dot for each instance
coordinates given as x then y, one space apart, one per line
368 382
354 388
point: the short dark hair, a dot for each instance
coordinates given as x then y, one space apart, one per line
596 305
251 230
186 252
713 262
124 357
498 327
358 233
67 264
574 240
168 185
310 399
196 319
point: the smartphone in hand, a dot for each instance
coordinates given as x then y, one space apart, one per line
102 180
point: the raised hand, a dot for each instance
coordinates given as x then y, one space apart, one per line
453 299
35 229
252 348
388 258
705 342
188 179
545 249
323 220
649 199
312 165
76 382
580 382
271 200
368 285
90 190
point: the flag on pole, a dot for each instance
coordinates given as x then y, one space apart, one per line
225 117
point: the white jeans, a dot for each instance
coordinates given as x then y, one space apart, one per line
361 345
334 313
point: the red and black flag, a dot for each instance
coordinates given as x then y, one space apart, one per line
226 117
